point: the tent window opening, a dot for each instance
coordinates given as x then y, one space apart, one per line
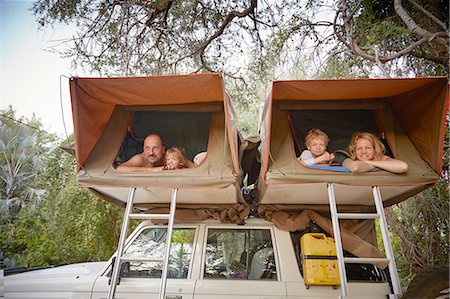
188 130
339 125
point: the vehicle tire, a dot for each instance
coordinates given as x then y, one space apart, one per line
429 284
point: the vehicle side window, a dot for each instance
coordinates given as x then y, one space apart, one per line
151 243
240 254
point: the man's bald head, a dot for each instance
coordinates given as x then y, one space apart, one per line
154 150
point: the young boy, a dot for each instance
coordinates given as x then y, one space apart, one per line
175 159
316 143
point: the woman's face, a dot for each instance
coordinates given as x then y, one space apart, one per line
364 150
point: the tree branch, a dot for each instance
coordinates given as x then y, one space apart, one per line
233 14
412 25
228 19
426 37
428 14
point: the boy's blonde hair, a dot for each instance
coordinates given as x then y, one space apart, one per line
316 133
376 143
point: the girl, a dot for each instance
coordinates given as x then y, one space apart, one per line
175 159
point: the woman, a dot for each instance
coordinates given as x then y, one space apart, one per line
367 153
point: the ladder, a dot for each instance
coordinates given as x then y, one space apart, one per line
335 216
119 258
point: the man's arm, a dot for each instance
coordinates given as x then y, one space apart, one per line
136 164
125 168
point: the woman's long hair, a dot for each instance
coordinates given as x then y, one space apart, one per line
376 143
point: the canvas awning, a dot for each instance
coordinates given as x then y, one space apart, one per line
411 112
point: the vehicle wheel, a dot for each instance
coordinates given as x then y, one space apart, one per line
429 284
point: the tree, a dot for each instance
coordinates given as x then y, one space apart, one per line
382 30
22 146
69 225
151 37
422 226
132 37
45 217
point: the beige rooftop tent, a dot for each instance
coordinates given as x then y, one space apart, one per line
112 116
410 113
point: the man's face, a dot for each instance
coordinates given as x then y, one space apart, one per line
153 150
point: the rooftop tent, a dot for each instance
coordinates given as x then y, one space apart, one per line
410 113
112 116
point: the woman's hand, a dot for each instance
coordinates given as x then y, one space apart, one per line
390 164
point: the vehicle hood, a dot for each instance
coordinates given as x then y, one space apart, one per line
75 277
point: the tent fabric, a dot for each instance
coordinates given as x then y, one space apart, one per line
217 170
104 110
188 130
411 113
226 213
339 125
420 104
94 100
192 213
358 237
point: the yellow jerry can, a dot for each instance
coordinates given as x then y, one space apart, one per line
319 260
317 244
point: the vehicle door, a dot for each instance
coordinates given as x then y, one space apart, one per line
142 279
239 262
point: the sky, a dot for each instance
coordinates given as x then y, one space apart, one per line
29 73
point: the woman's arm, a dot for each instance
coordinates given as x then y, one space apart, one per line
357 166
390 164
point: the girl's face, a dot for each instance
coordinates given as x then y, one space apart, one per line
317 146
173 161
364 150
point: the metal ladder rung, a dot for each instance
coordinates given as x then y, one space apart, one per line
150 216
358 215
120 248
389 258
365 260
141 259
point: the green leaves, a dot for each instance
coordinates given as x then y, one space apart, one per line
421 226
69 226
45 217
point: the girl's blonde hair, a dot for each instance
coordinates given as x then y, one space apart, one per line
316 133
179 152
376 143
